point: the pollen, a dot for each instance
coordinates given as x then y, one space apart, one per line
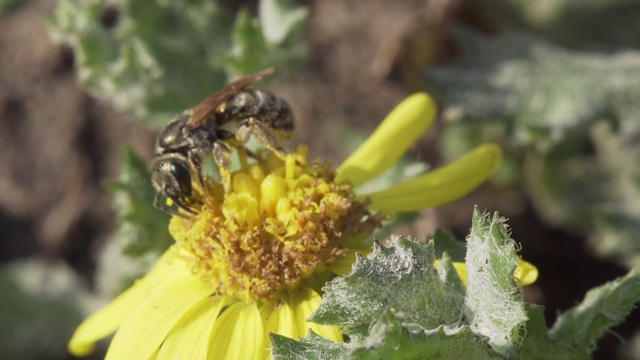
283 221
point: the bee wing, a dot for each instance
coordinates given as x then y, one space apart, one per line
206 107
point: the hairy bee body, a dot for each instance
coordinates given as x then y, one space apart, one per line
199 131
271 110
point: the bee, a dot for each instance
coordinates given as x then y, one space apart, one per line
199 131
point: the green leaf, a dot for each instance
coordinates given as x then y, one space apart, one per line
396 299
397 305
602 308
539 346
143 228
454 286
446 242
401 278
494 303
313 347
390 339
411 297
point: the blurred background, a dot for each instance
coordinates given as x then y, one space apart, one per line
85 85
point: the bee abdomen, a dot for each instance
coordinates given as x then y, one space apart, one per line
268 108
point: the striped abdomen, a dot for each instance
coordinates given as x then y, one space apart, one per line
269 109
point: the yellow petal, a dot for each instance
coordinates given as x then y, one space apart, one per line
238 334
142 333
190 338
526 272
305 303
399 130
461 269
343 266
281 321
107 320
442 185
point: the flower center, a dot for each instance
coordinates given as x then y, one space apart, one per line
282 221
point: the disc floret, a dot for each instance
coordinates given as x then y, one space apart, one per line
283 221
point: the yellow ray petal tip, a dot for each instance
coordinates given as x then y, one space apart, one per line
526 272
80 348
397 132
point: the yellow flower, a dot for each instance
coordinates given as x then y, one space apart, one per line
252 260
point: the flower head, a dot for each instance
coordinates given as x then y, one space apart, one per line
282 222
252 260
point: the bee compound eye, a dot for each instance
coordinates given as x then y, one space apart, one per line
180 174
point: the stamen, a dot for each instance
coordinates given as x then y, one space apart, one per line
281 222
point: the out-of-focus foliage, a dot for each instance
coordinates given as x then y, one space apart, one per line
42 302
397 304
570 121
572 23
159 57
8 5
545 94
38 309
143 228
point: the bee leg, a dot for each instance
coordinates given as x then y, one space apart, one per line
221 157
253 126
194 160
229 138
243 156
162 205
